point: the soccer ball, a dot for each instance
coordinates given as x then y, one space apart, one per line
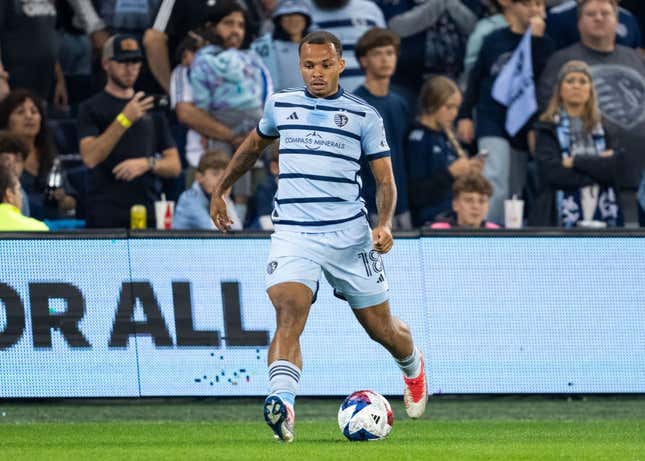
365 415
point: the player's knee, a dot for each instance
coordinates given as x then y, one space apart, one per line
291 312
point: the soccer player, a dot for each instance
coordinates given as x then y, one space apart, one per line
320 222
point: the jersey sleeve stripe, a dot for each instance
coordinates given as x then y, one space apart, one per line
349 134
318 152
265 136
316 177
378 155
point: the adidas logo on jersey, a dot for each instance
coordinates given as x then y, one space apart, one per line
381 279
293 116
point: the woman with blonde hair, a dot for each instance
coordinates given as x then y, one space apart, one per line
577 166
435 157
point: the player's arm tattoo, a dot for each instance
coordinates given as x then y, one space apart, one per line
243 160
385 190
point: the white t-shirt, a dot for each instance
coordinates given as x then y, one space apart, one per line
181 91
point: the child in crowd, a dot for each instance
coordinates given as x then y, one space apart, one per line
470 195
193 207
11 219
435 157
377 53
13 153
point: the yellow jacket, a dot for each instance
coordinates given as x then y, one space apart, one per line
12 220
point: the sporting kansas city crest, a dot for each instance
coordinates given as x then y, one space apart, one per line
341 120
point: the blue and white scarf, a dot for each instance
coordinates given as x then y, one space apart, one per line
569 204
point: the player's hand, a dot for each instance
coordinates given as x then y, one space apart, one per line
219 214
137 107
382 238
131 169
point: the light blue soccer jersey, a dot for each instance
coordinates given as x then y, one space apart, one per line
321 144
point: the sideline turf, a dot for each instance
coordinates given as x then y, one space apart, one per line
455 429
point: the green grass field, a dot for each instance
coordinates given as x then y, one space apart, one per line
467 428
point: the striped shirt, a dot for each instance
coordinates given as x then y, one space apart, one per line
349 23
182 91
322 141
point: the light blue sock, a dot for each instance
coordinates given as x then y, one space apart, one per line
284 378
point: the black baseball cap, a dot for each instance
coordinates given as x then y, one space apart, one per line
122 48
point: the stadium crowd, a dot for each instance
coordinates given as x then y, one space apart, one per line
107 104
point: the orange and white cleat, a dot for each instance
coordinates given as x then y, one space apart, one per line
415 396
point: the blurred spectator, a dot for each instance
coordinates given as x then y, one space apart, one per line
484 8
348 20
127 149
199 122
193 207
619 78
265 10
637 8
279 50
22 113
575 158
435 157
11 219
13 152
266 190
506 164
562 26
231 83
29 50
434 35
376 52
172 24
484 27
74 54
132 17
470 196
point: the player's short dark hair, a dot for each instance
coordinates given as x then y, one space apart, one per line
472 183
213 160
322 37
8 180
376 38
11 143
